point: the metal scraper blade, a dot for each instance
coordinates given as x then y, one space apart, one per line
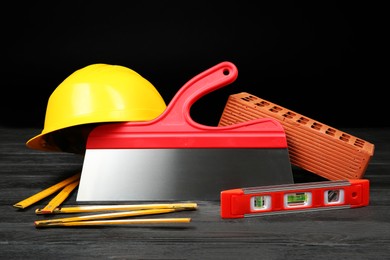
174 158
178 174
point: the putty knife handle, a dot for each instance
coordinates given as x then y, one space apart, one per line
178 110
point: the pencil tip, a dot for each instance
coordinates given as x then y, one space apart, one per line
18 206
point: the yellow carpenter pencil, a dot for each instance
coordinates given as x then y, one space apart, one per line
114 222
97 208
107 216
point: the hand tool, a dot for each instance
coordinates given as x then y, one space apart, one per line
173 157
293 198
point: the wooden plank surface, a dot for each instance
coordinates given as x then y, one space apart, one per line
361 233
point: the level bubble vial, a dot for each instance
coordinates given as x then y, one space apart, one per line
334 196
261 202
297 199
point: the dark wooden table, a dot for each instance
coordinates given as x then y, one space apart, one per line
360 233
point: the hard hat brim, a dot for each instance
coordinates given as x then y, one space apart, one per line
38 142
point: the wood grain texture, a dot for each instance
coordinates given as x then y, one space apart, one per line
361 233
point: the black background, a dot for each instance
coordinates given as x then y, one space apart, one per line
322 60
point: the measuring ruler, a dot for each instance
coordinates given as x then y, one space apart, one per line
59 198
290 198
47 192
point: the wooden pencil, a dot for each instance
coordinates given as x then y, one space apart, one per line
97 208
115 222
106 216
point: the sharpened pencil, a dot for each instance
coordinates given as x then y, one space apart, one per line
96 208
115 222
107 216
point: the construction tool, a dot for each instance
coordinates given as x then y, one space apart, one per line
111 212
99 219
72 181
293 198
96 208
313 146
60 198
120 214
174 158
115 222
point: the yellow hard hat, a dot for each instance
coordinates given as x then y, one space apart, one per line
97 93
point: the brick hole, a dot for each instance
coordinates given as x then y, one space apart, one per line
249 98
275 109
316 126
289 115
359 143
344 137
303 120
262 104
330 131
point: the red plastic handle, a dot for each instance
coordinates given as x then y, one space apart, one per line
175 128
178 110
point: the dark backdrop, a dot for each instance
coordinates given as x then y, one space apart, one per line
319 60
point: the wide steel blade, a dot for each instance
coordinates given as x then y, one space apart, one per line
178 174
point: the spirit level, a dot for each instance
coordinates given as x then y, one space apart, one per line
290 198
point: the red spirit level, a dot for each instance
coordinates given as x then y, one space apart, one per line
290 198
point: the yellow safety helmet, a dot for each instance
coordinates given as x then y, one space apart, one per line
95 94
